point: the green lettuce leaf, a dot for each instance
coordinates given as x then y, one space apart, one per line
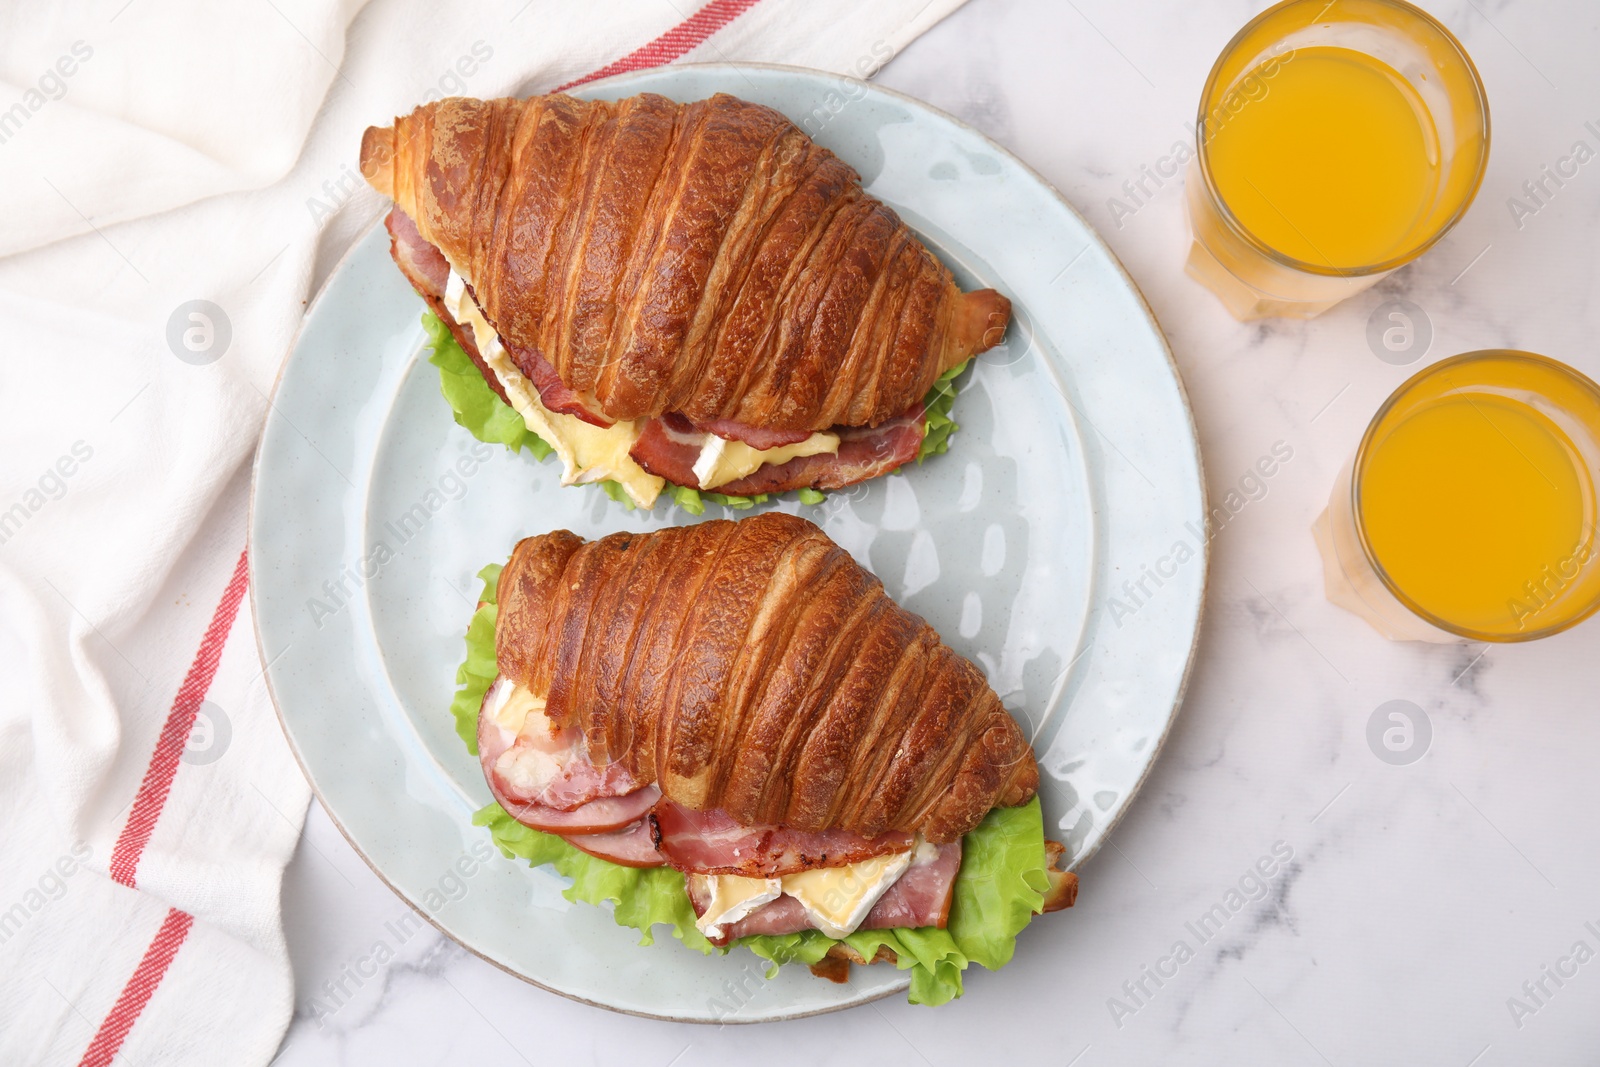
476 407
1000 887
940 399
477 672
479 409
616 492
642 896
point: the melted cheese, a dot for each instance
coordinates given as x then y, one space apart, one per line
732 898
588 453
511 705
722 461
836 898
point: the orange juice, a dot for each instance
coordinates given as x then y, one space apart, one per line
1474 494
1335 142
1336 164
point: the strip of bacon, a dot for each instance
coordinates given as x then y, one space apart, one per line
425 267
669 446
428 272
920 897
553 392
864 452
711 842
423 264
755 436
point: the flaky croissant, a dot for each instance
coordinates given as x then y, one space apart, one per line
706 259
754 667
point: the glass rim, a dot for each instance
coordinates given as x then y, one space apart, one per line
1358 465
1239 230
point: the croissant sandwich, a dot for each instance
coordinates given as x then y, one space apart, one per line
738 708
695 294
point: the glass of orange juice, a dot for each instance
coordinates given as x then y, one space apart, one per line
1337 141
1468 511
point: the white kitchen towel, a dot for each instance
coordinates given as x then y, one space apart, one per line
178 179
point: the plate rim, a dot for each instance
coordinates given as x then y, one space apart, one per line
1093 235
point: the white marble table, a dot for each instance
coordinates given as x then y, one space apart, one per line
1417 900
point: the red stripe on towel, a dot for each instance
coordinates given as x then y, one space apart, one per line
675 42
152 795
136 994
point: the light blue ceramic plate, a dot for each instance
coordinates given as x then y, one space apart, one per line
1076 469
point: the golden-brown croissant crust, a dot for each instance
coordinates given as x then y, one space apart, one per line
754 667
705 258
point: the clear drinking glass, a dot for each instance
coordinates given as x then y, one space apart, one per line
1469 509
1257 259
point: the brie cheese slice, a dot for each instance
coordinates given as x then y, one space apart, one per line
588 453
837 899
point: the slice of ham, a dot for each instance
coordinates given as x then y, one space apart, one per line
711 842
786 915
549 783
545 763
632 846
429 272
920 897
596 817
754 436
669 446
